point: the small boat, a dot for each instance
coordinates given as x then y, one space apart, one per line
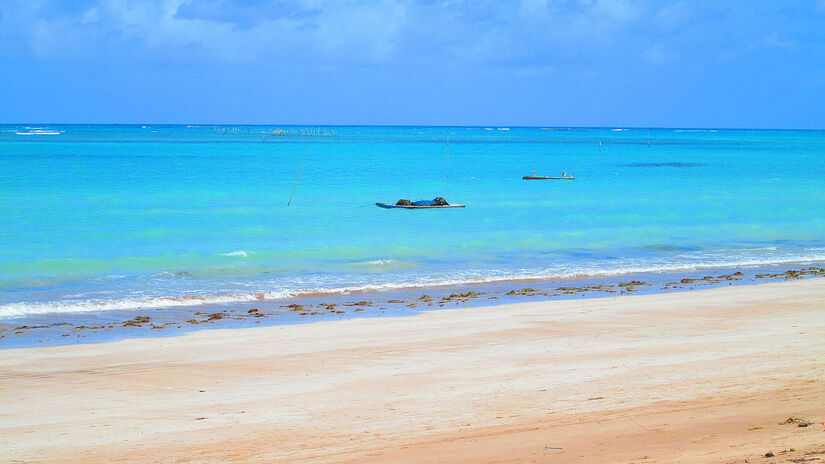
436 202
391 206
547 178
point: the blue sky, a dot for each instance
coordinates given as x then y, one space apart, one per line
698 63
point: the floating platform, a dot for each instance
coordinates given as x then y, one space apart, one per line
546 178
392 206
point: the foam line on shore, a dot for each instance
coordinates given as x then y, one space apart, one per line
31 308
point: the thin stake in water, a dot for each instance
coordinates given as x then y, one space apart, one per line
447 175
294 186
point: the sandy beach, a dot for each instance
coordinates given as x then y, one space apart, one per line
393 231
701 376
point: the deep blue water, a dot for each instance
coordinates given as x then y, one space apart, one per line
99 218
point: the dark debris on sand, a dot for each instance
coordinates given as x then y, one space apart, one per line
320 309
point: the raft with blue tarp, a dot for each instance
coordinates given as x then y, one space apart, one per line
437 202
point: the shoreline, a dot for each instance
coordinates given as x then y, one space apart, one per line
699 376
195 299
88 327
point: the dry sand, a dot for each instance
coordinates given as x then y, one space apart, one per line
701 376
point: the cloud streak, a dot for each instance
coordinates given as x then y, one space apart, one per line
527 33
381 31
590 50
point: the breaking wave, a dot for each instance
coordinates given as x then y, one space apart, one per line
236 253
443 278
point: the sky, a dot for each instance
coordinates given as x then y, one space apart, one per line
636 63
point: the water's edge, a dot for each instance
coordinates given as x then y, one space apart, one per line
87 327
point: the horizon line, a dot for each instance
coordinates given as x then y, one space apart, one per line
412 125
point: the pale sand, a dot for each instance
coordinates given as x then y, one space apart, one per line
701 376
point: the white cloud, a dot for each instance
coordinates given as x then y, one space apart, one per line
368 31
437 33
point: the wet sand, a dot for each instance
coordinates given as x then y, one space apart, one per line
59 328
699 376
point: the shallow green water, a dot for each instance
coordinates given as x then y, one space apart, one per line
114 217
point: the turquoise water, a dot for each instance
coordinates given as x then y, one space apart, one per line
99 218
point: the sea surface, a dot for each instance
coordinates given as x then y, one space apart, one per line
100 218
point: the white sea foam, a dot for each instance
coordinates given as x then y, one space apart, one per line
750 250
382 264
236 253
40 132
21 309
456 278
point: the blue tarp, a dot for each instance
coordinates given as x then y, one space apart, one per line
424 203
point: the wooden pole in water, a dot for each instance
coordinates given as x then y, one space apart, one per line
294 186
447 175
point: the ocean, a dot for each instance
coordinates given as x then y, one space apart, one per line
103 218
